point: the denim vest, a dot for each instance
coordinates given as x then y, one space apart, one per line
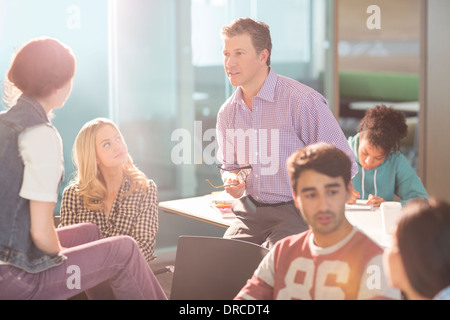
16 245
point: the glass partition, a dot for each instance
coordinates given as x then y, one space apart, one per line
170 81
155 68
82 25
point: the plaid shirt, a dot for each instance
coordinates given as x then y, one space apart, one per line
135 216
287 115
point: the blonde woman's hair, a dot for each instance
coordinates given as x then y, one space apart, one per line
88 177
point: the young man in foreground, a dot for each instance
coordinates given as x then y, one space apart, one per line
332 260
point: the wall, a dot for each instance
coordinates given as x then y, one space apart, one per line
393 47
408 22
435 131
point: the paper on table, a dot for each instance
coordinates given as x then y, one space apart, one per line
359 205
221 198
223 201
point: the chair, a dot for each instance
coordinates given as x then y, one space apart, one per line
212 268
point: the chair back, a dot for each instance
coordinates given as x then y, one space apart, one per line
212 268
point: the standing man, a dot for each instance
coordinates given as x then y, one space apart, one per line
267 118
331 261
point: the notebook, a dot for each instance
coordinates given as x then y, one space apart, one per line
359 205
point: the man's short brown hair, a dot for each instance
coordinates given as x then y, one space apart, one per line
321 157
258 31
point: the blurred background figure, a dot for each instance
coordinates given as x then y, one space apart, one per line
418 261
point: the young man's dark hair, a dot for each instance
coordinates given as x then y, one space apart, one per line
321 157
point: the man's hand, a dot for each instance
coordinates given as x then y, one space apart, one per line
236 191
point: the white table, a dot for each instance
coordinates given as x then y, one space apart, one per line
202 209
370 222
199 208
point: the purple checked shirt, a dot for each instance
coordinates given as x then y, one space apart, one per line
287 115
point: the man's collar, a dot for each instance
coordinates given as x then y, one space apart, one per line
267 91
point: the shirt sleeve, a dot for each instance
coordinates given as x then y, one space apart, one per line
225 139
146 227
41 150
69 206
408 184
318 124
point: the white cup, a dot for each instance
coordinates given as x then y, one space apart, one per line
390 214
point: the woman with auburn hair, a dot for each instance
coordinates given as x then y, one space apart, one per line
108 189
38 261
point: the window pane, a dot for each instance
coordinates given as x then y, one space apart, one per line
170 82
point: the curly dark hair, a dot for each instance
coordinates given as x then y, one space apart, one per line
384 127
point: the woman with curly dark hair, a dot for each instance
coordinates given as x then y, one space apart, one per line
383 170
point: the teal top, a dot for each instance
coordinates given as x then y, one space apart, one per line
394 176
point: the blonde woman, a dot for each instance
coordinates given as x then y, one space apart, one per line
108 190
